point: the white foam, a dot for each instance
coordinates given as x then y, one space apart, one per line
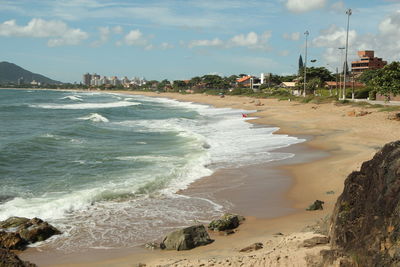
72 97
95 117
86 105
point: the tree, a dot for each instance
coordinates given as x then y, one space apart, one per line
387 80
367 76
301 65
319 72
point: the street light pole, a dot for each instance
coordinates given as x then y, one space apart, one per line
348 13
305 65
342 72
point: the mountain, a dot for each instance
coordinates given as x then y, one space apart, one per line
10 73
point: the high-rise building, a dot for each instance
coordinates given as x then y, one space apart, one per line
86 79
367 61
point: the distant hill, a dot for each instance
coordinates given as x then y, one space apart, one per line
10 73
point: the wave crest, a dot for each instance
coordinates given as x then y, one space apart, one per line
95 117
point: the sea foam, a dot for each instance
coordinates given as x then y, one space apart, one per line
86 105
95 117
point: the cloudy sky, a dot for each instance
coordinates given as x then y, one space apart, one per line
179 39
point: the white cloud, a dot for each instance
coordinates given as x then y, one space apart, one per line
295 36
117 30
300 6
215 42
136 38
385 43
165 46
105 33
250 40
334 36
338 6
58 32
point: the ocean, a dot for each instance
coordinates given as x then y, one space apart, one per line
106 168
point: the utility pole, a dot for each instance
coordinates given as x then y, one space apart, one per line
348 13
305 65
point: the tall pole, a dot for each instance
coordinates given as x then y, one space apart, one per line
342 72
348 12
305 65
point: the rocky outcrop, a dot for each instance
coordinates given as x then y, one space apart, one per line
17 232
365 224
11 240
186 238
226 222
9 259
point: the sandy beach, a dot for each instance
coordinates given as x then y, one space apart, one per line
337 145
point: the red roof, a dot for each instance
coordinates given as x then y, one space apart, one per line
245 78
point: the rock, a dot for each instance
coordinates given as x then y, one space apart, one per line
10 240
152 245
362 113
13 222
317 205
30 230
186 238
315 241
395 117
226 222
252 247
37 230
9 259
330 192
365 223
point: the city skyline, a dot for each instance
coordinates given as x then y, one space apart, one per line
177 40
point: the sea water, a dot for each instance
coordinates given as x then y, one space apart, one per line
105 168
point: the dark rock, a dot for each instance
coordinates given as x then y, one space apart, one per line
317 205
37 230
186 238
30 230
11 240
365 223
315 241
9 259
226 222
252 247
330 192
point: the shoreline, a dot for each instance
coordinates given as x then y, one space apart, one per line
348 146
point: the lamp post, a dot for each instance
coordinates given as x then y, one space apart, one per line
305 65
342 72
348 13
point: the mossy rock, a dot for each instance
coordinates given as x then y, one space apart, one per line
226 222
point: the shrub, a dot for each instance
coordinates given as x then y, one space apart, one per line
372 95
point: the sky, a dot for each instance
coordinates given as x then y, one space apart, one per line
180 39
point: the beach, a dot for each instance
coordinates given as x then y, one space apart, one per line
337 144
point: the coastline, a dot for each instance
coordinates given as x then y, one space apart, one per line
348 140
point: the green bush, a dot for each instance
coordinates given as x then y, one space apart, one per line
362 93
372 95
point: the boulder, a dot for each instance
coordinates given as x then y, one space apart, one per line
317 205
13 222
29 230
9 259
186 238
36 230
365 224
226 222
11 240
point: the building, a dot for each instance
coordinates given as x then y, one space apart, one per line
86 79
367 61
